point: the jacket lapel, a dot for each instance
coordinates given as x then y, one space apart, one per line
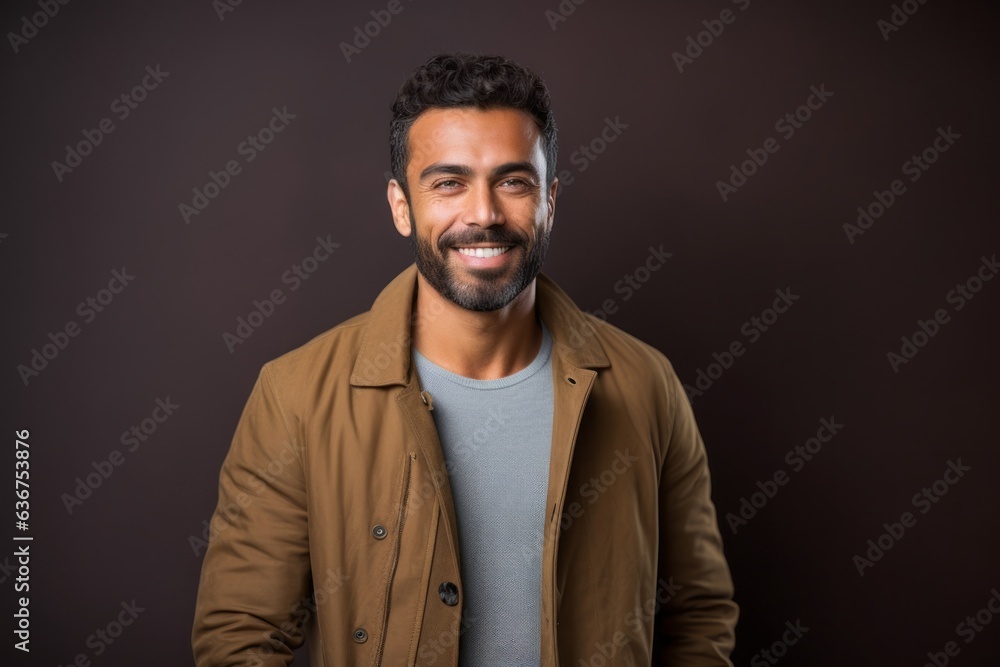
385 361
575 353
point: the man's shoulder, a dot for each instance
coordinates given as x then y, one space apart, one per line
640 377
332 350
626 348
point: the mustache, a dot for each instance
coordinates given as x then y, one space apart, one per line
492 236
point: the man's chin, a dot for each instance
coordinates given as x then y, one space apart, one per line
490 275
479 291
476 288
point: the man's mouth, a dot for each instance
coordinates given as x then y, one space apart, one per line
488 251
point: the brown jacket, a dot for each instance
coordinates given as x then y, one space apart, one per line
336 525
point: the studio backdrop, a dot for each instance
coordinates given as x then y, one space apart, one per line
796 202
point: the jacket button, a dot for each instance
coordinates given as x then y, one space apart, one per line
449 593
360 635
379 532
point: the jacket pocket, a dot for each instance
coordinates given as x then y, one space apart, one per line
404 495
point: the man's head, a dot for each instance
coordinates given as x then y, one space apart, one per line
463 80
473 149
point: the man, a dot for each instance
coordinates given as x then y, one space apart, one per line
475 471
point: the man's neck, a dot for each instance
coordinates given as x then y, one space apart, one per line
478 345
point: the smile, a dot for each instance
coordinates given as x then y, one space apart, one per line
484 252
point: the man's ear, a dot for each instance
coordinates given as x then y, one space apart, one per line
399 207
553 191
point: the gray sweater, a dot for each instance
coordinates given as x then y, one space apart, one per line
496 436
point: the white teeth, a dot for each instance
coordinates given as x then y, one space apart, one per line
483 252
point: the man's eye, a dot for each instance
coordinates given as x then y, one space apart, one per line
517 182
447 184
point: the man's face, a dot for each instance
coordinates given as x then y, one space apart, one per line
479 216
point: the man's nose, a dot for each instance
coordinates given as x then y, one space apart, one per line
483 208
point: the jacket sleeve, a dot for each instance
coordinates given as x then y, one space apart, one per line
696 625
256 575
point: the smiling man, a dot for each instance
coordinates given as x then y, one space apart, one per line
473 472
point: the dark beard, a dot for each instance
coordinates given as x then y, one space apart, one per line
489 290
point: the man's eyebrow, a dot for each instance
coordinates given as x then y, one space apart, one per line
443 168
511 167
462 170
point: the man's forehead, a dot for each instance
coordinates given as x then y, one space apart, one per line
461 126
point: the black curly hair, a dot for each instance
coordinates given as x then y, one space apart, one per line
469 80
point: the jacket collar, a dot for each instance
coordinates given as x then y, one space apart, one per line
385 354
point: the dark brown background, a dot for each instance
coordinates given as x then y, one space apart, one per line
654 185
